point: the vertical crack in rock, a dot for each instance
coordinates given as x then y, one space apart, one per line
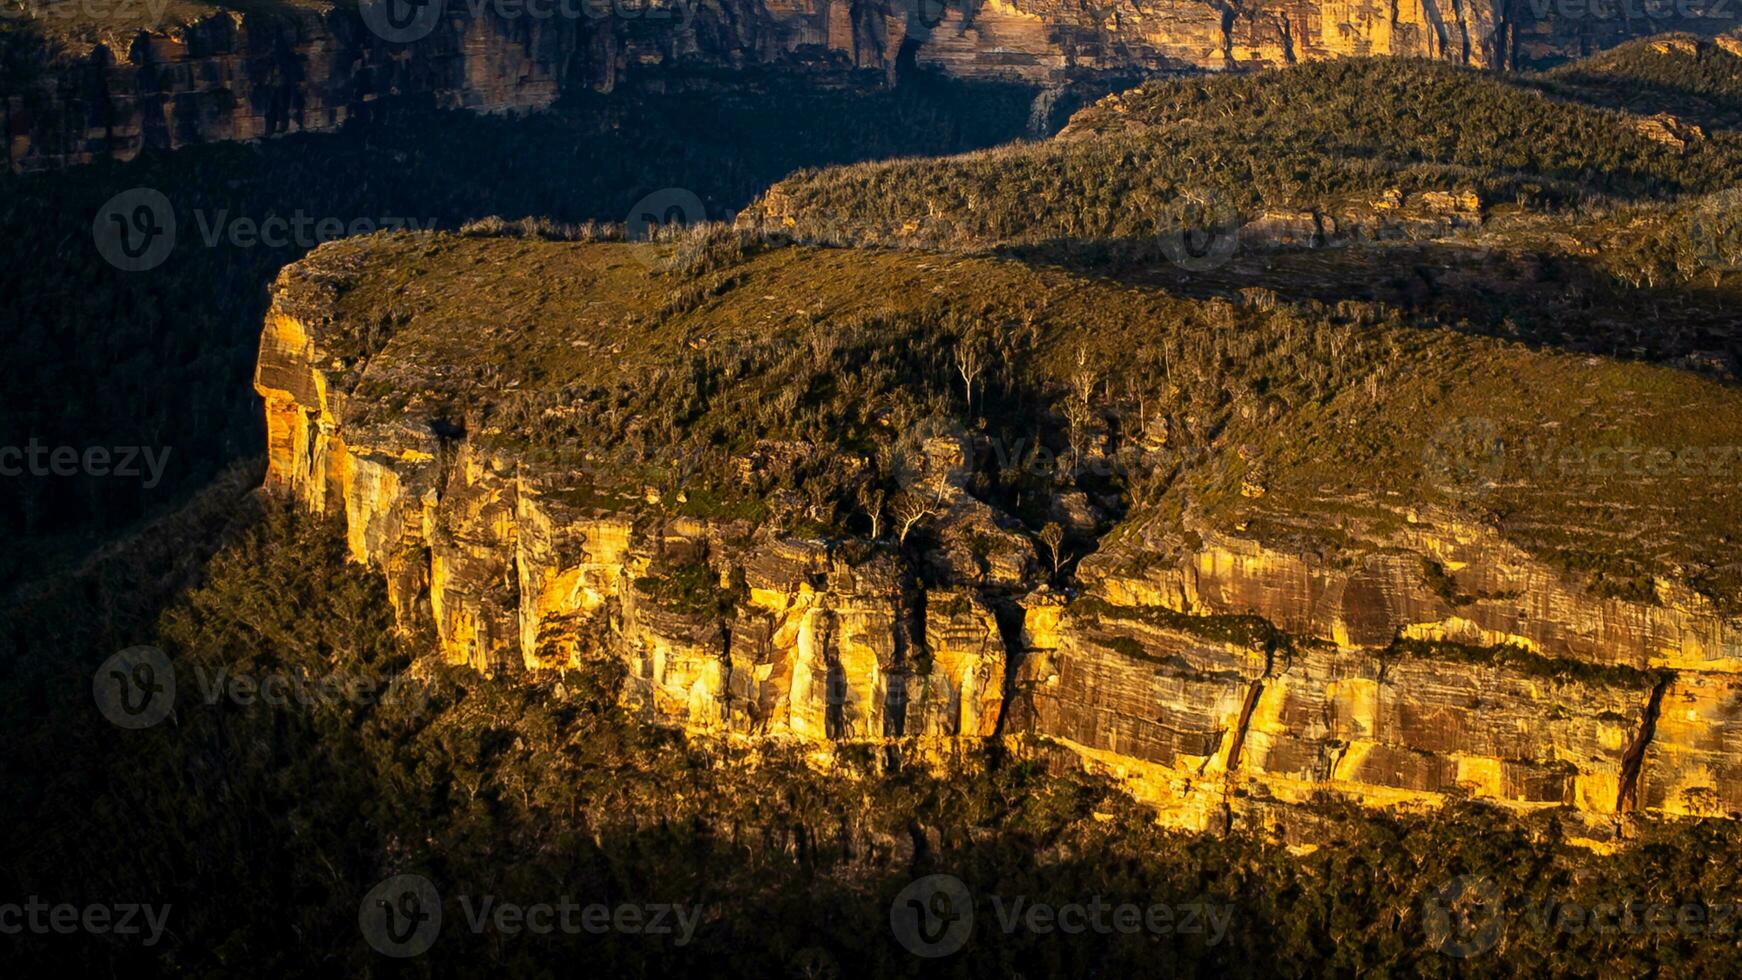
1431 13
725 697
1463 23
1008 617
834 679
1342 751
1505 51
1254 691
1228 37
909 641
1633 759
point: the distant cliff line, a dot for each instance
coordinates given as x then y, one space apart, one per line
109 86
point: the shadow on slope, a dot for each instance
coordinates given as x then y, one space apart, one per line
161 357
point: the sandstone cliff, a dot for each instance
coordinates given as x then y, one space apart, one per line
164 76
1399 652
1517 711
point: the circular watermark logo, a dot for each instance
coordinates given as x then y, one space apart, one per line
135 229
932 916
1463 917
1205 235
668 207
1464 457
401 21
402 916
928 13
135 688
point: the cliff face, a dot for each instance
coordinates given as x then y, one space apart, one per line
1221 674
520 572
309 67
1040 40
168 82
234 76
1558 698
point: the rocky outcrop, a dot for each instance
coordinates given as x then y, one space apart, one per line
1221 676
1043 40
1205 726
309 67
722 629
1434 578
1242 676
1670 131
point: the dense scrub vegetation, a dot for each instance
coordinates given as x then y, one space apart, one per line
1330 133
1693 243
799 387
264 826
1690 77
162 358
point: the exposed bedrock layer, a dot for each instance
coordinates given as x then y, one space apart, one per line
111 88
518 573
1429 658
1220 678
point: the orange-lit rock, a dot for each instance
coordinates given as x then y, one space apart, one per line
1222 679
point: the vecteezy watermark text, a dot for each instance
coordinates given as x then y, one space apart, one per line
136 688
139 12
1635 10
1468 916
99 919
408 21
402 917
35 459
1470 454
570 917
934 916
136 230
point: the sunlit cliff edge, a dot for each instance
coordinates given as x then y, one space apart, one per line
1244 628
